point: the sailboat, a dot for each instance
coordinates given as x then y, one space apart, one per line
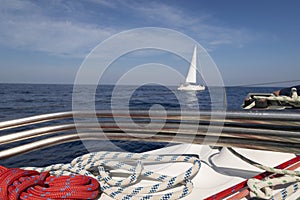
190 81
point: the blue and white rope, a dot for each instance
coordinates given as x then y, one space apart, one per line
124 189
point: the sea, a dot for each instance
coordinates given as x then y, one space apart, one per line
24 100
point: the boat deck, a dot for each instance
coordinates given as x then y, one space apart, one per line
220 169
250 134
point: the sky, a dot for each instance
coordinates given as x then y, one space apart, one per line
249 41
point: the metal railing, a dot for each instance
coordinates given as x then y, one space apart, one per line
255 130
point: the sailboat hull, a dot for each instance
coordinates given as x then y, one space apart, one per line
190 87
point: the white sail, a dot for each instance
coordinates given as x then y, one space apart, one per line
190 81
191 77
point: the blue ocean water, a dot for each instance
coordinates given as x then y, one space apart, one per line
23 100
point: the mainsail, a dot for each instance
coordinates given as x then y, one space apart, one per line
191 77
190 81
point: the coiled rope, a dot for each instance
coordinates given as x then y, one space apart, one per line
97 164
245 192
263 188
242 189
31 185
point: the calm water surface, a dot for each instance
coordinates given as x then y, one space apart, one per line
22 100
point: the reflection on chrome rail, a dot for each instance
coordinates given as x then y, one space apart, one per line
255 130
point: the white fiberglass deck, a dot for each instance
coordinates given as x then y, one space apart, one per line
219 169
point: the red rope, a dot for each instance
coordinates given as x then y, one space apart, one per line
19 184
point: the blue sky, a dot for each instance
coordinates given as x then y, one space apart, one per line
250 41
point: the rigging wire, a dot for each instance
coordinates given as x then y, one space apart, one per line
265 83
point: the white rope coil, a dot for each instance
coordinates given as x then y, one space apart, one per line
124 189
263 188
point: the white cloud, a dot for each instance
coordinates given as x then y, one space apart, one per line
35 31
24 24
9 5
106 3
198 26
218 42
64 38
164 14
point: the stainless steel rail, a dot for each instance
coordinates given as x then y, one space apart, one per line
260 117
192 129
255 130
221 141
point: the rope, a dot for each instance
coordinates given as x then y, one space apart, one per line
262 188
292 100
97 164
233 189
22 184
246 191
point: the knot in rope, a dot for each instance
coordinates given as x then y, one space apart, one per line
100 165
22 184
